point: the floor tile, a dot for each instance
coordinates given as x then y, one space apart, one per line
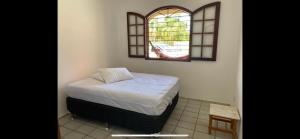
203 116
200 135
203 129
99 134
178 109
86 129
222 135
190 109
202 122
168 128
204 111
97 124
179 130
175 116
74 135
88 137
178 112
188 116
191 114
172 122
186 125
188 119
193 105
181 103
64 131
73 125
64 119
195 102
120 130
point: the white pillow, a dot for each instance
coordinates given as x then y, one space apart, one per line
111 75
97 76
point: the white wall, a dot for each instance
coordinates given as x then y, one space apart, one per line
84 41
214 81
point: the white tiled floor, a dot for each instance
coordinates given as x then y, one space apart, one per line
189 117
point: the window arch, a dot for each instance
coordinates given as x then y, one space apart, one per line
174 33
168 33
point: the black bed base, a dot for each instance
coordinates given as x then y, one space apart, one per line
136 121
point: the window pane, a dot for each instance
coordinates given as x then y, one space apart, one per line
169 34
132 30
140 30
196 39
140 50
131 19
209 26
132 40
207 52
196 52
140 40
208 39
198 15
197 27
133 50
210 12
140 20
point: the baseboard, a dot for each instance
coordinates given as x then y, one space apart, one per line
208 101
62 115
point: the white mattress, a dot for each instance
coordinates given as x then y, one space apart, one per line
146 93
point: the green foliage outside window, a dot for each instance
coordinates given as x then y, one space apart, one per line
169 31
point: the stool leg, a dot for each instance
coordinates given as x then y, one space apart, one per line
210 124
234 135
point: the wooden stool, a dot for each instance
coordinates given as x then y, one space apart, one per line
228 114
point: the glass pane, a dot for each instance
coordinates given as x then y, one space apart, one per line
196 39
197 27
208 39
196 52
209 26
169 34
131 19
140 30
133 50
140 20
140 40
198 15
132 30
132 40
207 52
140 50
210 12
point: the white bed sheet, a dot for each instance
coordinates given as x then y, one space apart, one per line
146 93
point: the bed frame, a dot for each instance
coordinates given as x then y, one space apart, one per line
111 115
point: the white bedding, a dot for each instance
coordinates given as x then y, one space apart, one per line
146 93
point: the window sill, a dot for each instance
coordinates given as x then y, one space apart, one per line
169 59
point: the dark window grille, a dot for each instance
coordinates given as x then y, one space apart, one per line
201 26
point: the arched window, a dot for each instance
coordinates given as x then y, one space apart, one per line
168 33
174 33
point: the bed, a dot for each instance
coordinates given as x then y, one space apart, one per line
143 103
